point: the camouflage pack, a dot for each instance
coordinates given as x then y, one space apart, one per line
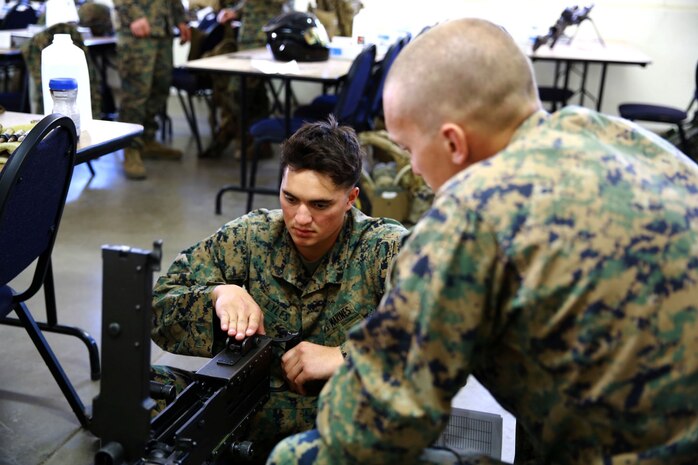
390 186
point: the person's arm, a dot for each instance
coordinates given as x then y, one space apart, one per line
230 12
180 19
309 362
314 362
227 15
408 359
129 11
184 33
345 17
184 299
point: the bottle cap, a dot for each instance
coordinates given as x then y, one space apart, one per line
63 84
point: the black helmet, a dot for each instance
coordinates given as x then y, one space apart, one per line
297 36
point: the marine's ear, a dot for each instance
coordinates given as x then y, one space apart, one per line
457 141
353 195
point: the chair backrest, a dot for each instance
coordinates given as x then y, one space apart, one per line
206 36
695 95
204 39
19 17
33 188
376 106
353 93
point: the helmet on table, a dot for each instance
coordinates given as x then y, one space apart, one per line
297 36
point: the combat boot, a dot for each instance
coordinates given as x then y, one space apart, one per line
133 164
154 149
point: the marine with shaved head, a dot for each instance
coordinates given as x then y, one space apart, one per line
558 265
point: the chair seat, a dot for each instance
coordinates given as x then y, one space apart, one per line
189 81
554 94
657 113
274 129
318 109
5 300
184 79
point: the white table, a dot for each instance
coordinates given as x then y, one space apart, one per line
585 53
97 139
261 63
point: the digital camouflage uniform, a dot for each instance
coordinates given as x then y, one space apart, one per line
145 63
226 89
337 15
563 274
257 252
97 17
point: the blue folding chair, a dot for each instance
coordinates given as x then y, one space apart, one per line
372 107
33 188
661 114
191 84
375 110
347 111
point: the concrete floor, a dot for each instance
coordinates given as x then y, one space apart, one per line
176 204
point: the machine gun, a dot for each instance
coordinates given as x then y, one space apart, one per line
207 422
570 16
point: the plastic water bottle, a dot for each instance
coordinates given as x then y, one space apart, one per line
64 92
64 59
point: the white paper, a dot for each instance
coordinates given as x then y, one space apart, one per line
276 67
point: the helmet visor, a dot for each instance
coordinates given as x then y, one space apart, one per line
316 36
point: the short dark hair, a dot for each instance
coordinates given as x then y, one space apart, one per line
327 148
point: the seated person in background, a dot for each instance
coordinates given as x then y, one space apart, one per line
336 15
226 89
558 265
315 267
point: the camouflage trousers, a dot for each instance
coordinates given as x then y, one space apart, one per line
145 69
225 123
305 449
269 426
226 98
162 374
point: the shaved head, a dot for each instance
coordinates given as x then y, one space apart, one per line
468 71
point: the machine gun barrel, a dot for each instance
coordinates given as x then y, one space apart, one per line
209 418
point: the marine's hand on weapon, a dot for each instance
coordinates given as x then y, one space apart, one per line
239 314
309 362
